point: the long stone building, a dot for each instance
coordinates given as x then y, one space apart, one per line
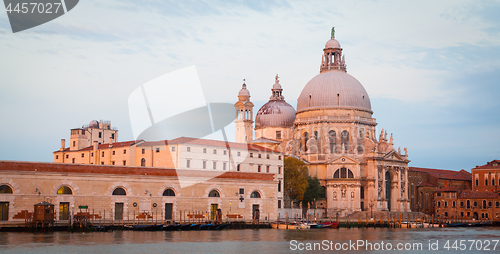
128 193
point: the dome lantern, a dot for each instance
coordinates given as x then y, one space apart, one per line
332 57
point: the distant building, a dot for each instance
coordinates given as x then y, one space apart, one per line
424 181
454 204
97 131
487 177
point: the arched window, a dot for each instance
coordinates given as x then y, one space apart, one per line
343 173
5 189
333 140
344 139
214 194
468 203
169 193
143 162
306 138
484 204
64 190
255 194
120 192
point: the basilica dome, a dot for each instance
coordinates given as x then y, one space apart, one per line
333 88
277 112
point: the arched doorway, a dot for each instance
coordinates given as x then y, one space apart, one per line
388 189
475 216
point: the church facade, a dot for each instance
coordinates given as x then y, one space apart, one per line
333 131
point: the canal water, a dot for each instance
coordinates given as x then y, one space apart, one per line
354 240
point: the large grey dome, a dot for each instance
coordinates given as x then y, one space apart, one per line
275 113
333 89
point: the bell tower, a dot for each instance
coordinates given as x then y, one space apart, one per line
244 116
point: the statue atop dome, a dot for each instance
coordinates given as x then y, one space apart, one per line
333 32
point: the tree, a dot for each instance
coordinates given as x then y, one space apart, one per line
295 178
313 192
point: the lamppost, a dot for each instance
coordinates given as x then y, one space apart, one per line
371 208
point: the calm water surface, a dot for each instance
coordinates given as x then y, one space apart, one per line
248 241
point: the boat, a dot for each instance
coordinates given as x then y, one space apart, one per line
304 226
172 227
205 226
328 225
222 226
194 227
186 226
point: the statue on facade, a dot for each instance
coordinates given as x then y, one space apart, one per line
343 191
406 151
311 144
334 195
391 141
381 135
379 191
399 150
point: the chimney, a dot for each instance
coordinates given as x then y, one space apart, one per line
110 142
96 155
63 144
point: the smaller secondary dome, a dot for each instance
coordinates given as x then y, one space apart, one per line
94 124
332 43
244 91
275 113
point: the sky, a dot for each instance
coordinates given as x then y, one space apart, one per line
431 68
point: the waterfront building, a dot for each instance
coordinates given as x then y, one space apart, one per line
133 192
333 131
453 204
424 181
487 177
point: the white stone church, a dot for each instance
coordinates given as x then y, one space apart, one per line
333 131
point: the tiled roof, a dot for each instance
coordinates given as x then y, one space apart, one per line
444 174
104 146
208 142
448 189
478 194
494 164
264 140
154 143
47 167
426 184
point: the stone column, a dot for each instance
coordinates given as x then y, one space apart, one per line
400 202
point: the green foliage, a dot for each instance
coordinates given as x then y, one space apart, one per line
295 178
314 190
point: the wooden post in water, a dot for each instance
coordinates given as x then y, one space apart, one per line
366 220
278 222
286 220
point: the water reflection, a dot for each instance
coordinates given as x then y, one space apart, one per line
226 241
